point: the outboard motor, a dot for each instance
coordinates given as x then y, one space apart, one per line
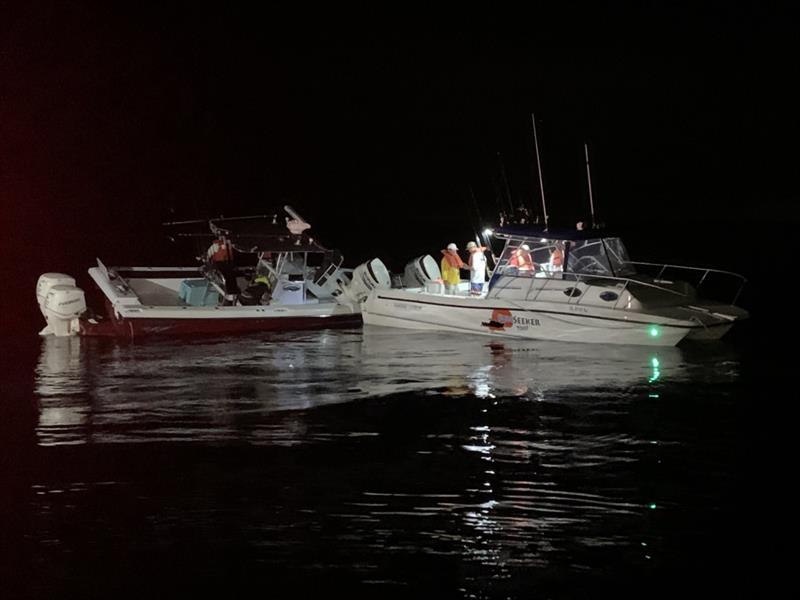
366 277
420 271
61 303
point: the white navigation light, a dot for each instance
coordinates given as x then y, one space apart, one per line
487 232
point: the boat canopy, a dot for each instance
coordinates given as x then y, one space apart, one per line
254 235
554 252
540 231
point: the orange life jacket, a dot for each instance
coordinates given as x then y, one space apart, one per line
221 251
523 262
453 259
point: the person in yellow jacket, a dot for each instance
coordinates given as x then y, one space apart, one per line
451 263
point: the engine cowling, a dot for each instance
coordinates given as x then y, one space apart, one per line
420 271
48 280
62 304
366 277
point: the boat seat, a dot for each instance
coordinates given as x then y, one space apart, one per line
330 264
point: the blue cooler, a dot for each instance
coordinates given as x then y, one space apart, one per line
198 292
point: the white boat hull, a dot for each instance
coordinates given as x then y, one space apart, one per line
500 318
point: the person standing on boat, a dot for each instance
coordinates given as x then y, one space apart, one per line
557 257
522 261
477 267
451 263
220 254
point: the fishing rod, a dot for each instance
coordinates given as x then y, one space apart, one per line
589 180
539 166
220 218
482 236
505 190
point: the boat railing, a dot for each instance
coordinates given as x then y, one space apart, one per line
155 269
540 284
587 281
663 267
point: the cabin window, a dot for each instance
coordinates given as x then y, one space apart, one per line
618 257
542 253
589 257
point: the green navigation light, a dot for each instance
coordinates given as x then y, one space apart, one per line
654 332
656 371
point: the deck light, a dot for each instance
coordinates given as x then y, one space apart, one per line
654 332
487 232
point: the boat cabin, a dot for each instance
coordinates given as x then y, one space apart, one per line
557 254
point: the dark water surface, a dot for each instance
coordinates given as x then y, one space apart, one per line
380 463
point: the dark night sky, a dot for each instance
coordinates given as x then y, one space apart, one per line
110 116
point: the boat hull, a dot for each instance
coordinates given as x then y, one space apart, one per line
135 322
541 321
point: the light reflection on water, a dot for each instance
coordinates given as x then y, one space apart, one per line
96 391
360 452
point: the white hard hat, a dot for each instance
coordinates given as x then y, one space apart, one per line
526 247
452 247
471 245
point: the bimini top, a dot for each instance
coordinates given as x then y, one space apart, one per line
263 233
552 233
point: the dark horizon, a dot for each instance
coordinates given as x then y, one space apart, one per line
357 461
116 119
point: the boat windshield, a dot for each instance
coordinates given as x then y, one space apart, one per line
526 257
606 256
618 257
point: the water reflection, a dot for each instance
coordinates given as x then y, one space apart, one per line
389 458
246 388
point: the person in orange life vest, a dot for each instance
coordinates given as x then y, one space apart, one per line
522 261
557 257
451 263
220 253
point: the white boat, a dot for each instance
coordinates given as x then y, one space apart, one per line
292 282
596 295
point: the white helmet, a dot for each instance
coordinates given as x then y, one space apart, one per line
452 247
525 247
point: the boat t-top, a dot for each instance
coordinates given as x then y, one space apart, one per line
291 282
565 285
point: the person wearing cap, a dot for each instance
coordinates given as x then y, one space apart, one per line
451 263
477 267
522 261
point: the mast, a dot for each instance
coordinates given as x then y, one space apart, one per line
589 179
539 166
